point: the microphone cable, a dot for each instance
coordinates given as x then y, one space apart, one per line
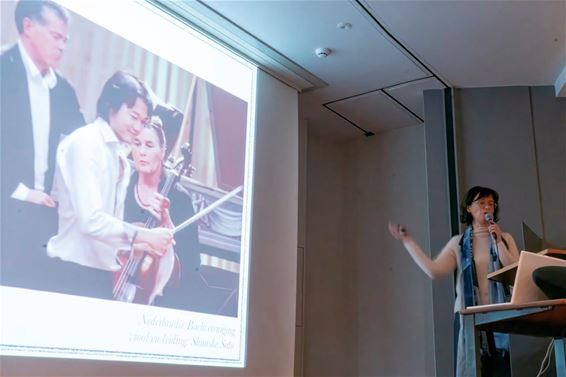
546 359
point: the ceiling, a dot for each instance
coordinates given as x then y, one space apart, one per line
375 74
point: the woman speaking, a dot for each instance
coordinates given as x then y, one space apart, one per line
482 248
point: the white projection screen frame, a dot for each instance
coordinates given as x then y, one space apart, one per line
206 97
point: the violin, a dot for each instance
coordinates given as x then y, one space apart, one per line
141 274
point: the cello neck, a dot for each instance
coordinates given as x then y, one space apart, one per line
170 180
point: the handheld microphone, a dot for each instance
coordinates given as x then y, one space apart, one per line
492 236
489 218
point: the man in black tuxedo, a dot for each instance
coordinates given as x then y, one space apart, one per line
38 106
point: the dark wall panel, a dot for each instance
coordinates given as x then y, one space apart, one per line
496 149
439 225
549 121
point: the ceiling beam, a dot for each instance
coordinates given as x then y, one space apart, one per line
199 16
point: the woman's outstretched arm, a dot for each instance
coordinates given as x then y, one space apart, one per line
441 266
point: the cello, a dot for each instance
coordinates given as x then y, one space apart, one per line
137 281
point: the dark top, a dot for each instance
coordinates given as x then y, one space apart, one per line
23 251
176 293
16 122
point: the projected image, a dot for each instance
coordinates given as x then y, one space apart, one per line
124 191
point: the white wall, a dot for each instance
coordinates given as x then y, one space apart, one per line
387 181
271 322
301 249
330 347
368 307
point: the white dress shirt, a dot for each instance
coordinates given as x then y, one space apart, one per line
38 89
91 180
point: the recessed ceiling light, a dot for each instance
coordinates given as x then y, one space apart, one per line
344 26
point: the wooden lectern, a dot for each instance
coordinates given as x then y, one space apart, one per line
545 318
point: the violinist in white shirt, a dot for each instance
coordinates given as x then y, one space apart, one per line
91 180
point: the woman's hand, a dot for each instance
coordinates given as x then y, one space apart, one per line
398 231
495 230
158 207
166 221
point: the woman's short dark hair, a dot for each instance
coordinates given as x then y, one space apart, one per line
33 9
122 89
475 193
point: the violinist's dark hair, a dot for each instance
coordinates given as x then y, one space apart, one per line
473 194
122 89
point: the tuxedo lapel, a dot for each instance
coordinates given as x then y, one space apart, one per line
17 127
17 131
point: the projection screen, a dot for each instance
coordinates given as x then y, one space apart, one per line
78 192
